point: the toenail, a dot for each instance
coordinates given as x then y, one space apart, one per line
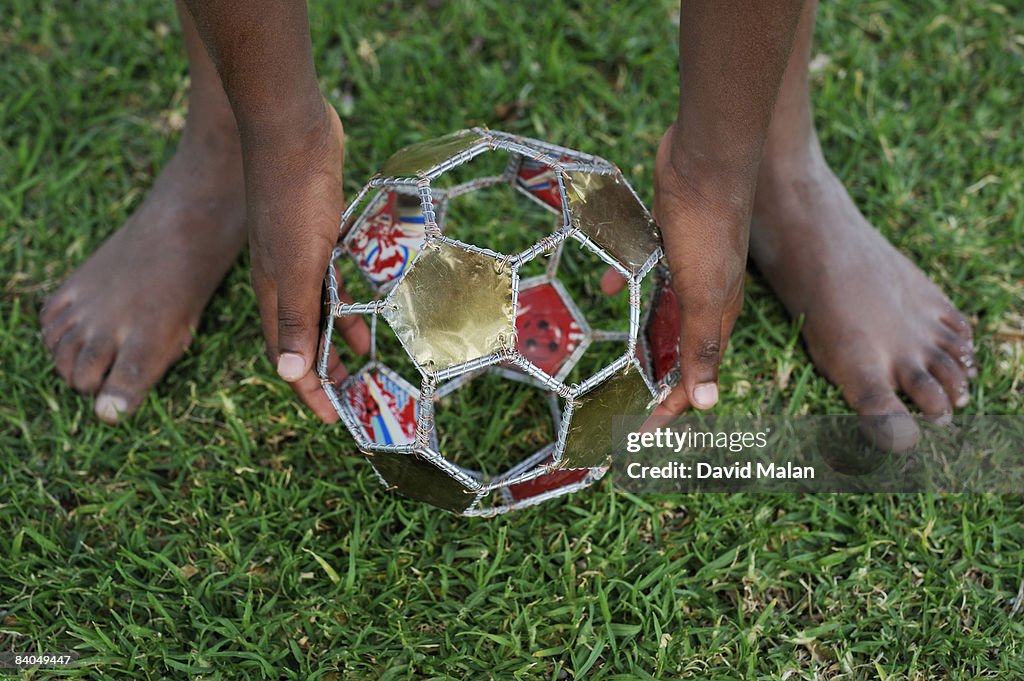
904 431
110 407
705 395
290 366
943 419
963 398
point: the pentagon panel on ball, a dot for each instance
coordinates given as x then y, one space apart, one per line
472 399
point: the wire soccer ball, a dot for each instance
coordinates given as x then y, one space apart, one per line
463 311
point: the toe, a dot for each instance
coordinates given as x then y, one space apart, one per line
66 353
92 363
56 304
952 318
111 408
952 375
885 420
132 374
960 349
55 329
926 392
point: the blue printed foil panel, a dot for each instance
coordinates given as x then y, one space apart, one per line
384 406
540 182
386 238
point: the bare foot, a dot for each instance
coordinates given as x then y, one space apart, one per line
122 318
873 322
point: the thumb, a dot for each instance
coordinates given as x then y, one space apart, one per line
298 317
700 349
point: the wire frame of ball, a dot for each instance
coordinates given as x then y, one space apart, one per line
454 305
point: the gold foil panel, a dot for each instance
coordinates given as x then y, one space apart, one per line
419 479
589 441
453 306
422 156
605 209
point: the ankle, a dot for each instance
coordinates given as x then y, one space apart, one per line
217 139
792 157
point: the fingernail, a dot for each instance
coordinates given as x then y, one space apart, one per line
290 366
110 407
962 399
943 419
705 395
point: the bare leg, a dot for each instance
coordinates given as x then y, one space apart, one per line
874 323
129 312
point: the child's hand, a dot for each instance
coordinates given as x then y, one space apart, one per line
732 55
292 153
705 228
295 205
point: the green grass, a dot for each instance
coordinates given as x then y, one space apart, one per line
224 534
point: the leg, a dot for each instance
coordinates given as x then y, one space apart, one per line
874 323
129 312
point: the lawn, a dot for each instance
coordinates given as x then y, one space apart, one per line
223 533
